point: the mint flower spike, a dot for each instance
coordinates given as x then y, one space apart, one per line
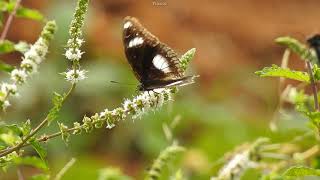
73 52
186 58
135 107
29 64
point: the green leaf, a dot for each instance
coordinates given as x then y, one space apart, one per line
5 67
6 46
3 6
31 161
300 171
15 129
30 14
112 173
298 48
40 177
57 101
276 71
22 47
26 128
40 150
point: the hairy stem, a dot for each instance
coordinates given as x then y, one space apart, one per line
314 86
34 131
9 21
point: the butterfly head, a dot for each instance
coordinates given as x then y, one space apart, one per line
314 41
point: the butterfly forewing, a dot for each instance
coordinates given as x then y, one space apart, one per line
149 58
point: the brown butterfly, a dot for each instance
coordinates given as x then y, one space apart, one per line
154 63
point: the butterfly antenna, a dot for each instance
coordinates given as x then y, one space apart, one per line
122 84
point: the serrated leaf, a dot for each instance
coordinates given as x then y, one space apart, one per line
6 46
5 67
40 177
297 47
40 150
276 71
57 101
31 161
300 171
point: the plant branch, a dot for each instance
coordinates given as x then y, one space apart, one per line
35 130
314 86
9 21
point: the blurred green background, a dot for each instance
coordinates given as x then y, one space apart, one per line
229 104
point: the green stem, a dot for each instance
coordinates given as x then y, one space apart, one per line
35 130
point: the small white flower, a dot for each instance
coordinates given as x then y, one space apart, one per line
41 48
6 104
29 65
73 54
79 41
110 126
33 55
7 89
18 76
75 76
105 114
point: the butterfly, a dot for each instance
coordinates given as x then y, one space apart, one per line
154 63
314 42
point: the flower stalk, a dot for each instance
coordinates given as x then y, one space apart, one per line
29 65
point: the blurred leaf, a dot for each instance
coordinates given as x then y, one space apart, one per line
5 67
298 48
40 177
276 71
3 6
6 46
40 150
31 161
30 14
9 138
57 101
112 174
22 47
1 18
163 160
26 128
15 128
300 171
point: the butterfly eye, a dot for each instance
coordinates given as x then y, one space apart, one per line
127 25
161 63
135 42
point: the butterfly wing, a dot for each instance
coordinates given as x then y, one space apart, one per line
151 60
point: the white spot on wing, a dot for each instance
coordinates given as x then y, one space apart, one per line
127 24
135 42
161 63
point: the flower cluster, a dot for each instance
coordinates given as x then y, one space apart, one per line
134 108
73 52
29 65
242 160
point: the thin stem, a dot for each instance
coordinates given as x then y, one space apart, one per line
314 86
19 173
65 169
35 130
9 21
284 64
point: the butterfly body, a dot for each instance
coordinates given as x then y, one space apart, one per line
154 63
